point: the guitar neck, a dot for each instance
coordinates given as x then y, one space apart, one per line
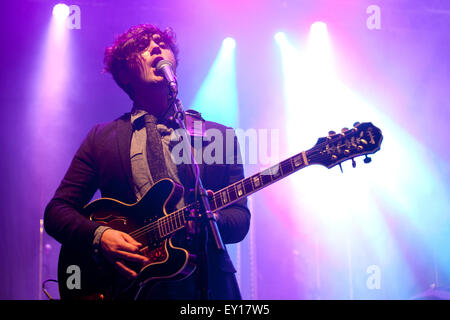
329 151
256 182
234 192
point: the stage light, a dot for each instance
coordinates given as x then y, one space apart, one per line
319 26
280 37
217 98
316 100
61 11
52 77
229 43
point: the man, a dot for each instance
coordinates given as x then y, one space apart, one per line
119 159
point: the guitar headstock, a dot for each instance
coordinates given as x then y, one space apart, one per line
362 139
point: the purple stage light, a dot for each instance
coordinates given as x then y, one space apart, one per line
61 11
319 26
229 43
280 37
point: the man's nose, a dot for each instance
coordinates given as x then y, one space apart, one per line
155 50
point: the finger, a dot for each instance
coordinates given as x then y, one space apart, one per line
126 246
132 256
131 240
124 270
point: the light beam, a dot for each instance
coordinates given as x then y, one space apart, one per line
217 98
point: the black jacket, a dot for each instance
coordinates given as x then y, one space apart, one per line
103 162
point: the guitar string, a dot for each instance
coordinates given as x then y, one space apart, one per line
157 224
148 229
163 222
166 222
313 154
286 164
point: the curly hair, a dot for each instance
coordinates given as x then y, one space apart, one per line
123 54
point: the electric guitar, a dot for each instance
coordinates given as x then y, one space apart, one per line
153 221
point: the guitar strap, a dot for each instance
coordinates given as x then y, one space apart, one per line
195 126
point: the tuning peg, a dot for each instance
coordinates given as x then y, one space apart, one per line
353 163
367 159
330 133
344 130
356 124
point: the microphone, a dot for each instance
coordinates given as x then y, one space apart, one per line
165 67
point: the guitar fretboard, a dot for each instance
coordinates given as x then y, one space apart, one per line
329 151
175 221
256 182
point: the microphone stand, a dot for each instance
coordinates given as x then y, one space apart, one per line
205 217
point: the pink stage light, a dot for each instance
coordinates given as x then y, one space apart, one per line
229 43
61 11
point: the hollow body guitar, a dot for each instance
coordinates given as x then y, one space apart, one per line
154 222
147 222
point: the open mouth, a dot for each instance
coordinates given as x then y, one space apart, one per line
155 61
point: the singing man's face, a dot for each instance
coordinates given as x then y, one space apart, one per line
157 50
